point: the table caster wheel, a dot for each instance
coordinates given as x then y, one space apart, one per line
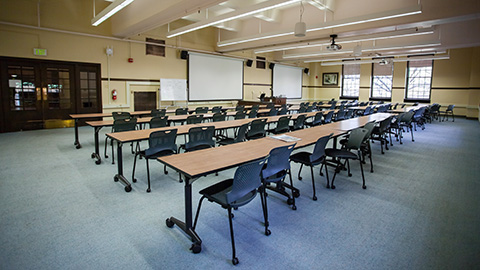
169 223
235 261
134 180
294 207
128 188
267 232
314 198
364 187
289 201
115 178
98 162
196 248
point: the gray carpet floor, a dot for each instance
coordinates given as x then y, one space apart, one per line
421 210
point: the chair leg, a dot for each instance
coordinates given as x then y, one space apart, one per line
326 171
313 185
337 169
148 175
363 176
370 156
113 153
263 199
198 212
134 165
165 169
294 190
105 151
234 258
411 133
300 171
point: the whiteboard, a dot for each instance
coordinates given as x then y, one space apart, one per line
287 81
173 89
212 77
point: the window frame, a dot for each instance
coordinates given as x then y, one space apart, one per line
407 78
371 97
342 88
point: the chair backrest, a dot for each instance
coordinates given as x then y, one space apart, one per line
395 106
255 107
340 116
195 119
334 104
384 124
317 119
349 114
328 117
450 108
159 121
319 149
200 110
241 133
272 112
246 180
128 124
270 105
278 160
162 141
200 138
356 138
367 110
121 115
239 115
407 117
158 112
252 113
240 108
181 111
369 127
283 124
283 111
257 127
302 109
419 113
217 109
299 122
309 108
218 117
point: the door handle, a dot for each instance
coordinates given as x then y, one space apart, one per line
39 93
44 90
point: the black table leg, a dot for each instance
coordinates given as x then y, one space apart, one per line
187 225
96 154
119 176
77 142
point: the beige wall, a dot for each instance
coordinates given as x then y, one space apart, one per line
455 81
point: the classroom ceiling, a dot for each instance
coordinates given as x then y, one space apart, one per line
362 27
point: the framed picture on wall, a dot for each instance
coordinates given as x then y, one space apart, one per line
330 78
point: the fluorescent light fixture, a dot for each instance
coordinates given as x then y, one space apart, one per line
379 36
266 5
372 49
395 60
334 24
113 8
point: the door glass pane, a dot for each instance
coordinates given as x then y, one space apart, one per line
88 89
21 83
58 95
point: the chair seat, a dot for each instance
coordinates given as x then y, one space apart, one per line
156 155
304 157
340 153
218 191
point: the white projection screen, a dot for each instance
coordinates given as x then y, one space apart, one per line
212 77
287 81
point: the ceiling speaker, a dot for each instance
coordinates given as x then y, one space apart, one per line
271 65
306 71
249 63
184 54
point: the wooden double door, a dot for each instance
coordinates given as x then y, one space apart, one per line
34 91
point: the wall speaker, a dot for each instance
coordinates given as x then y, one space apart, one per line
249 63
306 71
184 54
271 65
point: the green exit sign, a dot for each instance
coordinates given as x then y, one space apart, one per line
41 52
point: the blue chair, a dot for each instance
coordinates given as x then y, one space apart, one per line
355 140
200 138
234 193
241 132
275 172
298 123
160 143
312 159
328 117
317 120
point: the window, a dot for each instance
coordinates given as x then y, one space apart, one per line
382 80
419 80
350 80
152 49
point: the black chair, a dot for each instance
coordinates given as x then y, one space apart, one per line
317 120
340 116
241 136
158 112
365 147
406 122
275 172
121 115
272 112
239 115
199 138
181 111
160 143
381 131
217 109
283 111
312 159
298 123
158 121
447 112
270 105
194 119
328 117
253 113
255 107
201 110
283 125
333 105
355 139
120 125
419 118
219 117
257 129
234 193
349 114
240 108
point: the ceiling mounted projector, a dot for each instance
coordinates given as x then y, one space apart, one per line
384 62
333 46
